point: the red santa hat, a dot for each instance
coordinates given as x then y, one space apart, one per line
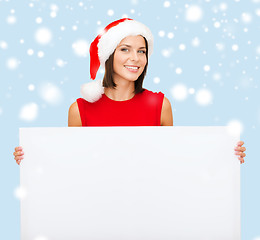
104 45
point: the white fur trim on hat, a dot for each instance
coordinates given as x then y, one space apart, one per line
92 91
109 41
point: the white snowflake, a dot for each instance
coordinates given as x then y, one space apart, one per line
3 45
80 48
20 193
179 92
156 80
206 68
182 47
161 33
53 14
170 35
54 7
178 70
235 47
60 62
217 24
110 12
246 17
12 63
38 20
223 6
11 19
31 87
167 4
220 46
43 36
195 42
191 91
40 54
193 13
30 52
235 127
203 97
29 112
166 52
51 93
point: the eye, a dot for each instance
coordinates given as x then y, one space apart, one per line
142 51
124 49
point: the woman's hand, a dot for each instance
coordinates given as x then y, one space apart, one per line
239 150
18 155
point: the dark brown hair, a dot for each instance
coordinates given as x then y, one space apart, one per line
108 76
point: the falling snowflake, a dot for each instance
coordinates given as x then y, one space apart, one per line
81 48
246 17
193 13
179 92
206 68
29 112
161 33
235 127
51 93
195 42
166 4
20 193
203 97
178 70
3 45
156 80
38 20
60 62
12 63
11 20
43 36
110 12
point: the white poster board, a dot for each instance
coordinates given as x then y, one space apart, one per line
130 183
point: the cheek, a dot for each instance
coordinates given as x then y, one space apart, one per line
144 61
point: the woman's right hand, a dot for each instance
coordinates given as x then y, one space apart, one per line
18 155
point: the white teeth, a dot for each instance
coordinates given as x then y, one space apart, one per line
135 68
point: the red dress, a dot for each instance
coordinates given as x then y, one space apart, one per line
144 109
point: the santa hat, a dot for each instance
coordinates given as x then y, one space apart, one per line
104 45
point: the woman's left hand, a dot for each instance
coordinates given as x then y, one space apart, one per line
239 150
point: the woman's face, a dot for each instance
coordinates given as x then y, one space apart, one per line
129 59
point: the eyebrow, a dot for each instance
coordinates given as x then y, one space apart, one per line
130 46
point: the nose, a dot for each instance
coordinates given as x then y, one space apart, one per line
134 56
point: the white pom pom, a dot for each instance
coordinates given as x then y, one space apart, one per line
92 91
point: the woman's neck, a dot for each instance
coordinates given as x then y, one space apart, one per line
124 91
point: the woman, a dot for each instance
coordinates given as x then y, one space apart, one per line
120 100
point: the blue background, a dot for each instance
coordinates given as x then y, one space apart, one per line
235 93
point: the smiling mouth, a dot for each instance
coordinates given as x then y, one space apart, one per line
132 68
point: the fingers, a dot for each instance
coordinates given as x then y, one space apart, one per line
18 160
241 160
240 149
18 149
18 155
240 143
241 154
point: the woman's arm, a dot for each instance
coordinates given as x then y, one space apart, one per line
74 119
166 114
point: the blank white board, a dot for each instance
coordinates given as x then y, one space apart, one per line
130 183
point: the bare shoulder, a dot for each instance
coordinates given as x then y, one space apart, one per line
74 119
166 103
166 114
